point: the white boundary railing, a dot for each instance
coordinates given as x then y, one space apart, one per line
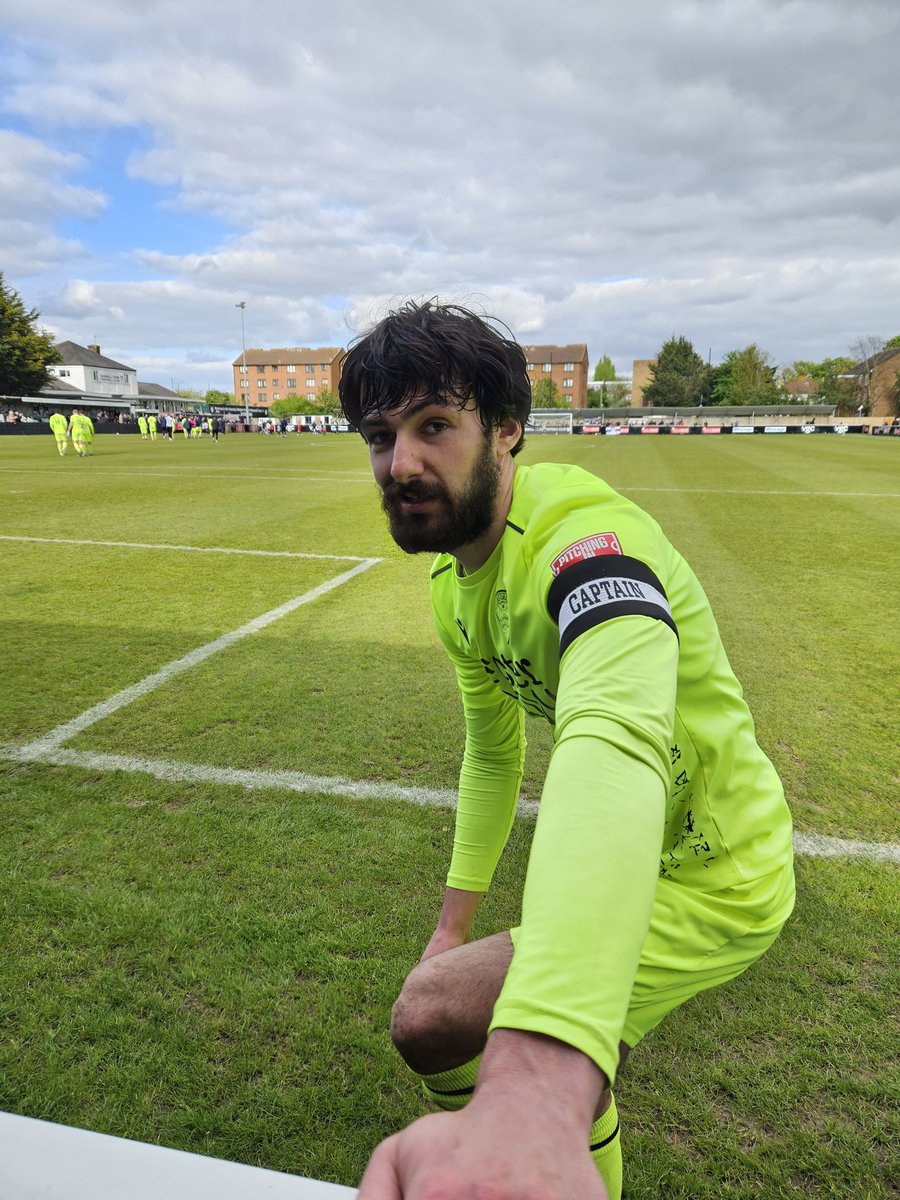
42 1161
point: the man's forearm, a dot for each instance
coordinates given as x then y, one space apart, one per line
556 1077
458 911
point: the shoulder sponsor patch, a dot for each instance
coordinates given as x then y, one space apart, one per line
589 547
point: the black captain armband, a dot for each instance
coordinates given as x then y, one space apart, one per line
587 593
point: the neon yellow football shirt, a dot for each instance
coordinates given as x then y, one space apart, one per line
587 616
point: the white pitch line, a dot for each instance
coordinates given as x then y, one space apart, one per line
253 780
62 733
7 537
817 845
172 771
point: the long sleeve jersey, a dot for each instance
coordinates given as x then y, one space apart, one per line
585 615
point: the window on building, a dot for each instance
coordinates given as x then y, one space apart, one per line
529 366
568 366
259 370
548 366
275 383
64 374
567 396
260 383
292 383
290 368
245 383
245 396
310 382
95 374
568 383
276 395
310 395
323 367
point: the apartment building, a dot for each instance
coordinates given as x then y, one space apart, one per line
566 366
286 372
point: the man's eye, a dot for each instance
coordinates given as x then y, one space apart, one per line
378 437
436 426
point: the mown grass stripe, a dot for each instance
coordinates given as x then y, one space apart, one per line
62 733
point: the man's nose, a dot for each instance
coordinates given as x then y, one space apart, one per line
406 462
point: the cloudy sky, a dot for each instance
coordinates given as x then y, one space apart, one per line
606 171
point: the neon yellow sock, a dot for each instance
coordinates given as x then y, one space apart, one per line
606 1150
452 1090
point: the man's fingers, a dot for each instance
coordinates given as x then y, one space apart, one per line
380 1181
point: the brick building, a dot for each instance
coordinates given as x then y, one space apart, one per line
878 379
641 377
286 372
567 366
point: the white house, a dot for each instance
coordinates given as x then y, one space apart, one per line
87 370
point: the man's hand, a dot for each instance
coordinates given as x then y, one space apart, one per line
441 940
508 1155
523 1136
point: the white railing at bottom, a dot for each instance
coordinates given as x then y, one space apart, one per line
42 1161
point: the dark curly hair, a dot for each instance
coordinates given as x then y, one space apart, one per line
442 350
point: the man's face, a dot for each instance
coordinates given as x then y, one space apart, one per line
438 474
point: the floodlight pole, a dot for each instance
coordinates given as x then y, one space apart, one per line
242 304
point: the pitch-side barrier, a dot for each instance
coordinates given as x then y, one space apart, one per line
43 1161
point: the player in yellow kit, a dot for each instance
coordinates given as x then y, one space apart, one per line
59 427
661 863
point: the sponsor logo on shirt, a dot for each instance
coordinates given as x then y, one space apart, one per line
501 608
589 547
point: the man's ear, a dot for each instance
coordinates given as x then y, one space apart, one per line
508 434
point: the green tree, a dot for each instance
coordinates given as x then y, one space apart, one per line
677 375
25 350
545 394
285 407
604 372
611 395
327 402
844 391
214 396
746 377
893 343
821 370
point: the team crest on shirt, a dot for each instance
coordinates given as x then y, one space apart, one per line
589 547
501 609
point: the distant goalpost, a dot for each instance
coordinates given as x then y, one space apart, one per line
549 422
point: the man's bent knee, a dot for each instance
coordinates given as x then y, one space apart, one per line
441 1017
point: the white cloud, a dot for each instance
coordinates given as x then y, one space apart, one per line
608 173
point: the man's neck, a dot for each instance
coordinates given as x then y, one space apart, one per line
475 554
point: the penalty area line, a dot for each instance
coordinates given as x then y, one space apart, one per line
8 537
171 771
62 733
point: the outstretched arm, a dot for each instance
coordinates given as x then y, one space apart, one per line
524 1135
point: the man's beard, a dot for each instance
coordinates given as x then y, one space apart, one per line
453 521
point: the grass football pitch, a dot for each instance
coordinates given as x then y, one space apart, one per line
228 739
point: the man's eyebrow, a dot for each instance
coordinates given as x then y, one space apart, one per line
377 419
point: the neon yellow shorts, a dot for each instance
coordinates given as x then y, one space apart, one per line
698 940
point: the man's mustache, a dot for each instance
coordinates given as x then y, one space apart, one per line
412 492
